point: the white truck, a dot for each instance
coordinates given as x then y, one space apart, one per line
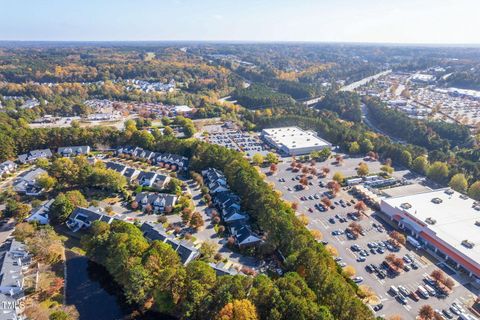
414 242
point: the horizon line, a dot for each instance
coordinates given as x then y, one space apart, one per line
429 44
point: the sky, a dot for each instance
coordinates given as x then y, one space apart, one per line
384 21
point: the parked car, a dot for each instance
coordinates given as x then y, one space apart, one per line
355 247
361 259
401 299
357 279
447 314
455 310
331 220
381 274
403 290
414 296
378 307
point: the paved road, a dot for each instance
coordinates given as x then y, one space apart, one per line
359 83
207 233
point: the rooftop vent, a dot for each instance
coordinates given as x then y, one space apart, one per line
477 223
437 200
449 191
468 244
406 205
430 220
463 196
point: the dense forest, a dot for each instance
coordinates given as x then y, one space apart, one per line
345 104
260 96
433 135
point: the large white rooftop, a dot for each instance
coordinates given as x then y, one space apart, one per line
454 216
295 138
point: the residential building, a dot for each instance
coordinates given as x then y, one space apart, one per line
74 151
33 155
156 232
131 174
84 217
120 168
164 160
445 222
146 178
221 270
232 215
14 261
7 167
161 181
244 237
230 210
26 183
158 202
40 213
294 141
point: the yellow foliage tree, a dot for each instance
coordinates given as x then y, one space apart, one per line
238 310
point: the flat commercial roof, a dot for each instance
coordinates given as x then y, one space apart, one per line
295 138
454 216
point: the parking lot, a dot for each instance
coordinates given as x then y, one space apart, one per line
330 221
249 143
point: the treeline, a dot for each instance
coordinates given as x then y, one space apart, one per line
153 277
260 96
432 135
345 104
91 64
16 138
465 79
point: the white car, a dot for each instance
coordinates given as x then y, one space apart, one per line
357 279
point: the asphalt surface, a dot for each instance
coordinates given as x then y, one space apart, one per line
320 221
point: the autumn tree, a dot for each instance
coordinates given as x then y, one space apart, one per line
272 158
349 271
420 164
326 201
426 312
339 177
438 171
258 159
196 221
459 183
355 228
238 310
362 169
397 236
317 235
360 206
334 187
474 191
273 168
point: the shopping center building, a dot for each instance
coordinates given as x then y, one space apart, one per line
446 222
294 141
